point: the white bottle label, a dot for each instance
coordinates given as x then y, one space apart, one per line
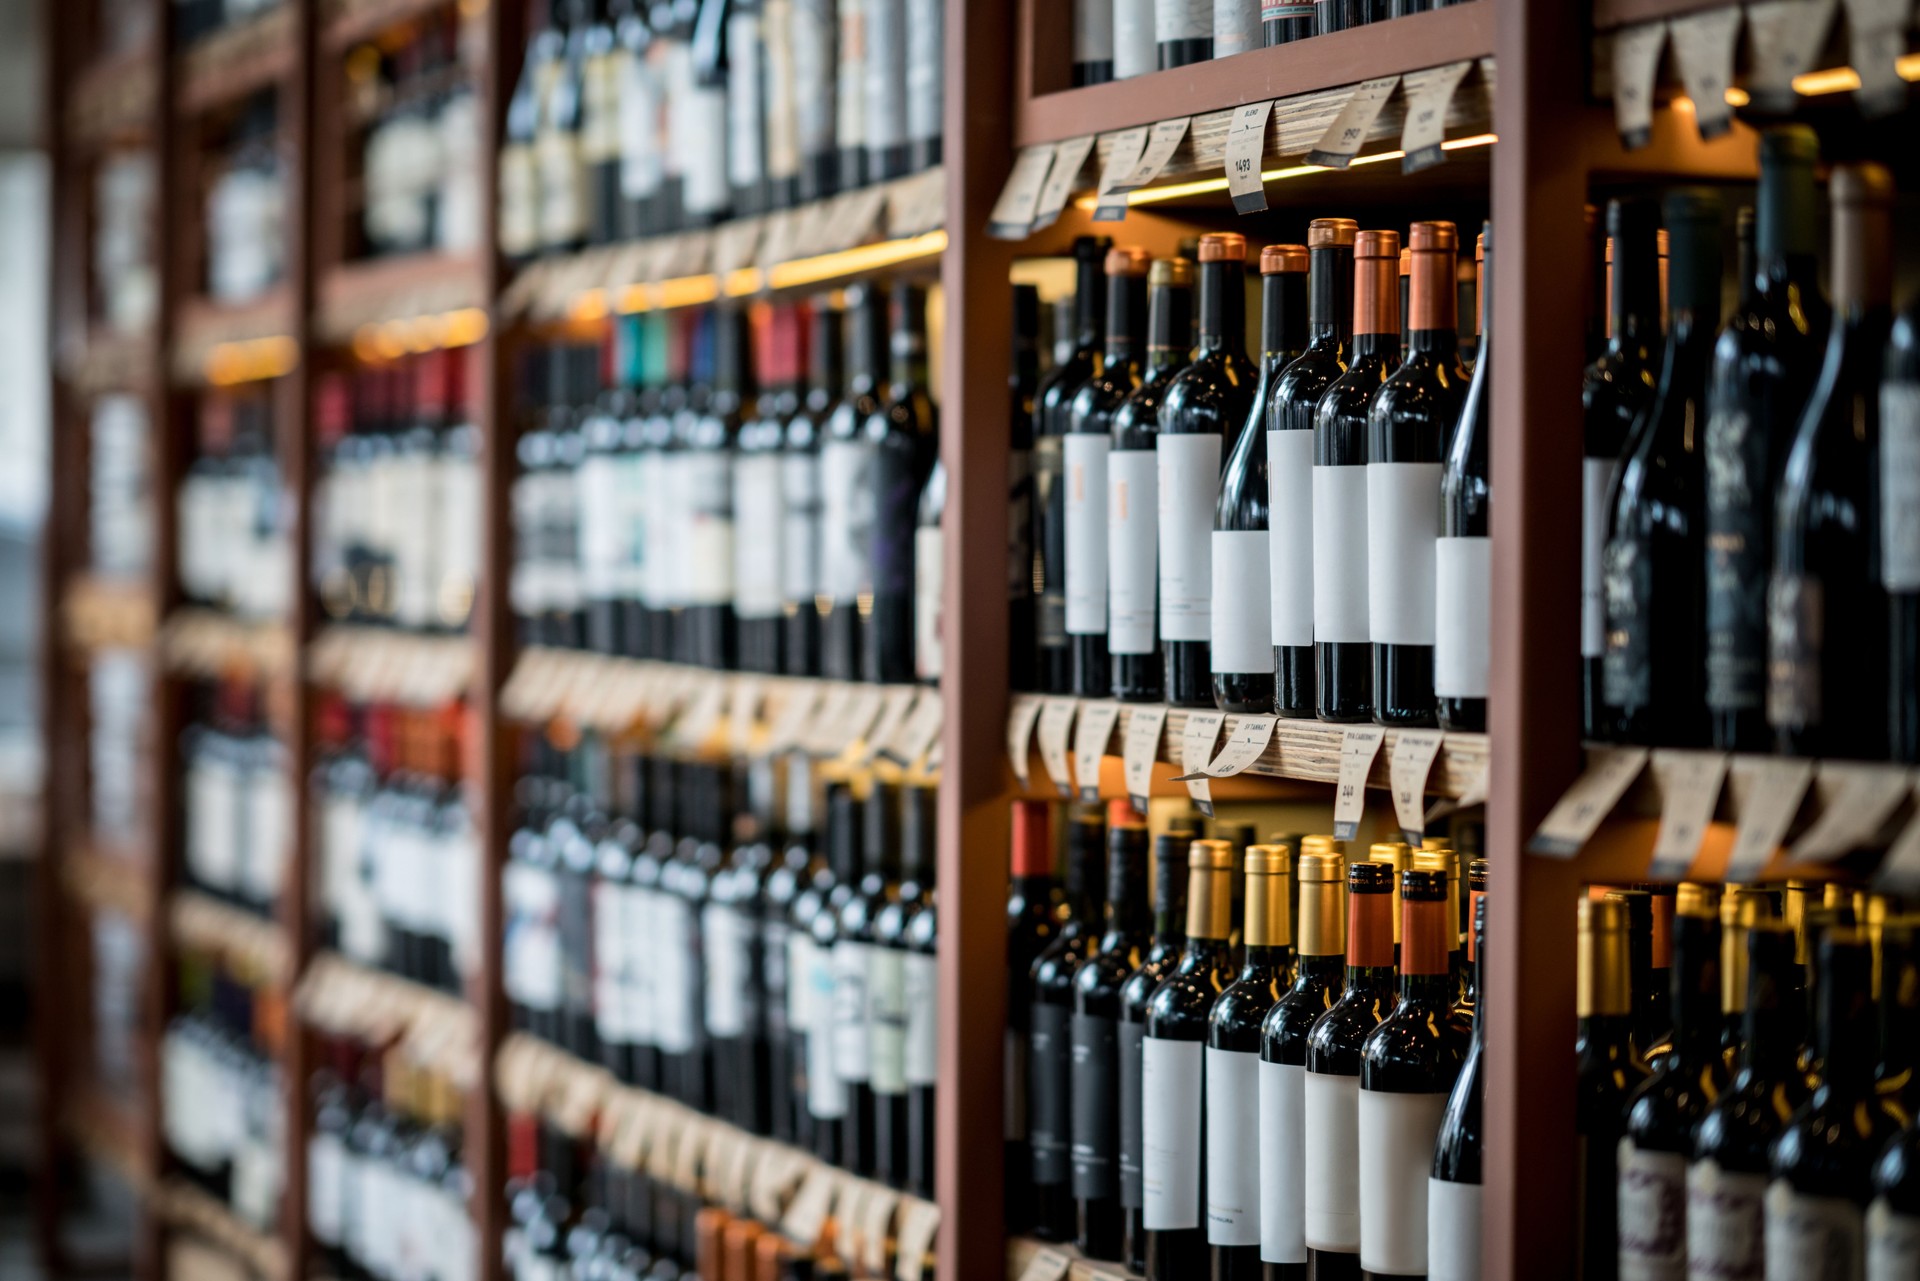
723 949
1290 535
1900 486
1893 1244
783 136
1396 1158
1092 30
673 994
851 1046
1333 1161
1653 1214
926 69
1812 1236
756 548
1340 555
922 975
1133 525
929 579
847 507
1170 1082
1233 1156
706 573
1242 608
639 129
1133 48
1726 1223
887 1019
1403 512
886 73
800 528
850 85
597 482
802 954
1596 478
1282 1140
745 115
1182 20
1463 616
326 1174
1086 533
813 95
641 987
826 1089
1453 1231
1189 487
1236 26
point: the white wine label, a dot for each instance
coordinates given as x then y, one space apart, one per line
1134 53
826 1089
1170 1137
723 949
926 70
1812 1236
1726 1228
852 1047
1900 486
887 1019
1242 609
849 82
745 113
813 95
1453 1231
1596 479
1396 1157
1233 1155
921 1058
757 521
1653 1214
1463 616
1133 531
326 1175
598 484
1189 486
1182 20
1893 1244
1403 512
801 955
1290 534
1340 596
847 506
929 578
1092 30
673 994
886 72
707 571
1282 1138
1086 533
1332 1142
1236 29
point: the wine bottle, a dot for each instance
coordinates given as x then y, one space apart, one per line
708 628
698 858
650 1007
848 501
903 435
789 877
735 989
1086 448
836 1045
1092 42
518 213
1133 488
1616 389
1740 907
921 977
1896 1076
1285 21
1653 568
1204 409
1665 1108
1096 1060
558 163
758 502
1607 1073
1463 558
1823 1160
1763 368
1035 910
1454 1249
1727 1180
1827 605
777 25
887 983
1023 381
653 433
1899 533
1290 405
885 78
600 532
1052 420
929 577
1342 644
802 519
816 98
1182 32
926 83
1236 27
1134 51
746 61
1893 1219
820 1096
600 125
863 869
1050 1066
1410 423
1172 1087
1169 942
612 877
1447 863
1242 628
1234 1039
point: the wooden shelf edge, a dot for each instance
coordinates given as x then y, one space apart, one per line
113 98
180 1204
109 1130
210 645
341 997
378 664
1022 1251
1608 14
399 288
100 880
233 63
202 324
101 611
202 922
349 23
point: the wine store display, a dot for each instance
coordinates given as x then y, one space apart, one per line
420 150
231 510
1119 39
246 209
237 802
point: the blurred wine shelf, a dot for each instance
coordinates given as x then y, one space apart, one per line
183 1206
1030 1260
348 22
429 294
248 942
232 63
113 100
1818 60
212 645
108 1127
108 362
100 612
225 343
372 664
112 881
436 1031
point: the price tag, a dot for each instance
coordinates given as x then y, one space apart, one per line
913 1242
915 205
1020 718
876 1225
1900 872
802 697
1579 813
922 729
1691 782
1196 749
859 215
1056 723
734 244
1426 126
1012 216
1359 744
1878 31
1408 767
807 1213
863 709
1048 1265
1090 741
822 735
743 712
1246 743
1636 60
1785 37
1342 140
1859 801
1162 142
668 1127
776 1174
1774 790
895 704
737 1183
1246 147
1140 750
1123 153
1703 45
1069 158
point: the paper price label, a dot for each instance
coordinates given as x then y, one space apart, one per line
922 729
775 1175
1775 788
734 244
1636 60
802 697
895 705
743 713
913 1240
1196 749
1090 740
1012 215
824 734
859 213
1426 126
1691 782
1342 140
1069 158
876 1225
702 717
1056 724
1359 744
1703 45
1047 1265
1123 154
807 1212
1878 38
1162 142
1785 37
1247 740
1140 750
1408 768
863 709
1020 720
1900 871
1246 147
1579 813
1859 799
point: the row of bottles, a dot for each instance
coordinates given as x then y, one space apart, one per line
126 281
752 488
1747 1083
1306 535
237 802
630 120
1751 574
420 151
246 211
753 941
399 858
1120 39
1236 1075
388 1190
232 514
396 527
119 487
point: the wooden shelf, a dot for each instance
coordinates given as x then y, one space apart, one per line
106 361
185 1207
203 325
207 644
100 612
237 61
113 99
348 22
1306 67
399 288
204 923
108 1128
101 879
1022 1252
375 664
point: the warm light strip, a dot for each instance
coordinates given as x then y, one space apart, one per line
853 262
1836 80
251 360
690 291
392 339
1203 186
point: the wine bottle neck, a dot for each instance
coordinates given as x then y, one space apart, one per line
1089 303
1636 284
1126 317
1265 960
1283 318
1330 269
1223 306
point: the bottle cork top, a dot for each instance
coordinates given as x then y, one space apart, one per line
1278 260
1325 232
1223 246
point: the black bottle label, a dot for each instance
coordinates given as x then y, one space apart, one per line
1049 1122
1096 1102
1737 555
1129 1040
1627 582
1794 618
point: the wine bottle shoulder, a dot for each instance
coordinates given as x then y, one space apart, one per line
1136 992
1296 392
1284 1031
1235 1020
1334 1041
1415 1049
1410 417
1179 1007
